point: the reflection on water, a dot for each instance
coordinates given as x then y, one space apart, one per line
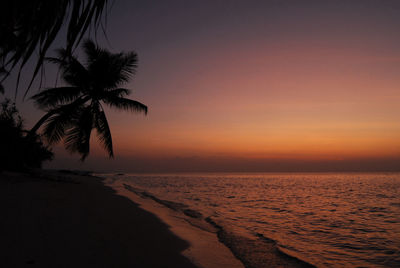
332 220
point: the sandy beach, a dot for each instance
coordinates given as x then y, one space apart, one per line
52 219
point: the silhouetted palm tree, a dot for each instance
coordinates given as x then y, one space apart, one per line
29 28
74 111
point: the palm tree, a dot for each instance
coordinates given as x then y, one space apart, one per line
28 28
74 111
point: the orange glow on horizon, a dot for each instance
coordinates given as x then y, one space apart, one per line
303 82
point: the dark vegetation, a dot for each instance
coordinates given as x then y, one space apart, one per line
19 151
29 28
27 31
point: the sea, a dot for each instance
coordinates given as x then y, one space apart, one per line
323 219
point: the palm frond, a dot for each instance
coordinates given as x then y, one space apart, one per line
126 104
117 92
32 26
78 135
60 120
55 126
111 70
53 97
68 108
72 71
54 129
128 64
92 51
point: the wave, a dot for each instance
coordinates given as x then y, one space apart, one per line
283 253
254 251
169 204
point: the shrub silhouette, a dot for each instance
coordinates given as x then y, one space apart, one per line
19 151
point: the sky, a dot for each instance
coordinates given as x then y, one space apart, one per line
252 86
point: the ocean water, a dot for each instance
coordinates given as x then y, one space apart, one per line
325 219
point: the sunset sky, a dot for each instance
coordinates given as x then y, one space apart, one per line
253 86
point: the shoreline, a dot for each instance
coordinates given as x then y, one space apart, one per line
252 252
53 219
205 249
73 219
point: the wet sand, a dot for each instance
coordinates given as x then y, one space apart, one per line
202 233
60 220
206 249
